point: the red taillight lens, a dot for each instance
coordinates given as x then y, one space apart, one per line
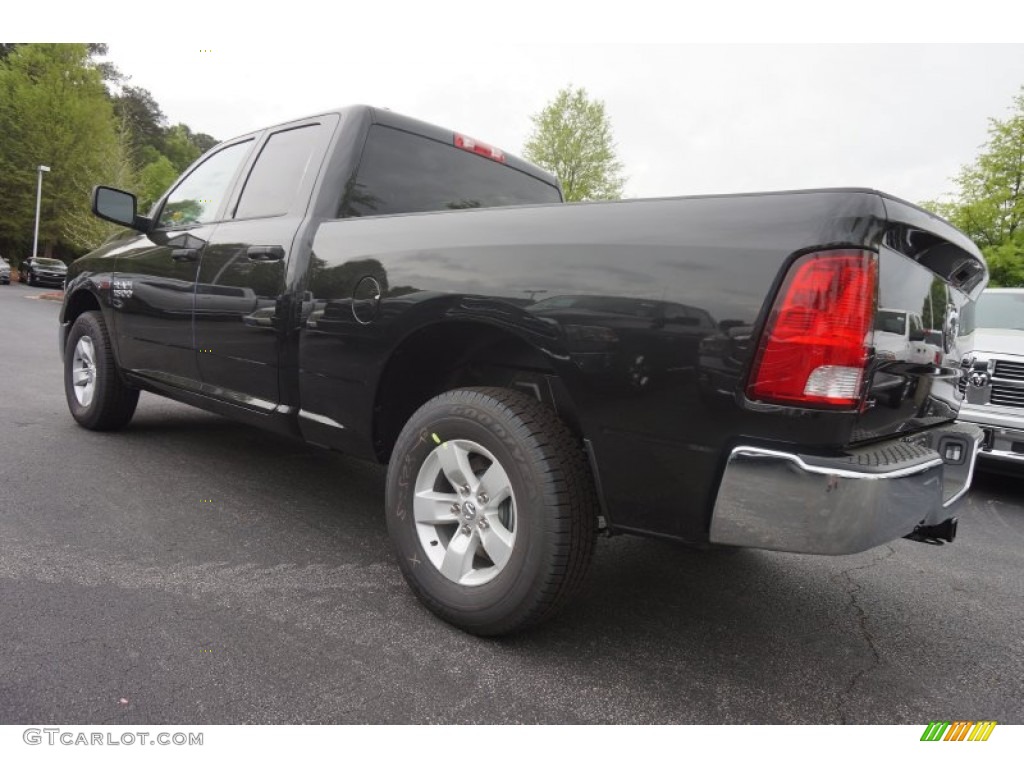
479 148
814 348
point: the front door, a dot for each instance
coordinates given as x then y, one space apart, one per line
153 288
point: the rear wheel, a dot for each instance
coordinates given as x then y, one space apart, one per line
491 509
97 397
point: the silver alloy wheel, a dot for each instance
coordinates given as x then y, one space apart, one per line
465 512
83 371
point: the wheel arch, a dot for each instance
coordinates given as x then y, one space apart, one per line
84 298
451 354
80 301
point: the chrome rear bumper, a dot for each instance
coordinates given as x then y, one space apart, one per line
839 505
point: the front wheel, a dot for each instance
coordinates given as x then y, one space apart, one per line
491 509
97 397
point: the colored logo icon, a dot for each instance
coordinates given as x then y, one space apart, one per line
958 730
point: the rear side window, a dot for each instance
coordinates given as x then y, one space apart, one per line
405 173
278 173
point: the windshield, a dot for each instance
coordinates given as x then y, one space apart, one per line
1000 310
49 263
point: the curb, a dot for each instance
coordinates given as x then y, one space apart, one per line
59 296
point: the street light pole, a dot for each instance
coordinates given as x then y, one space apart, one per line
39 198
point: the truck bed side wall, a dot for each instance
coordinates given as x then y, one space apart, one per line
646 310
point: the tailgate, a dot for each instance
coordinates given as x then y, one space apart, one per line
928 273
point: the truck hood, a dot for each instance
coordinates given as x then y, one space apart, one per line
1004 340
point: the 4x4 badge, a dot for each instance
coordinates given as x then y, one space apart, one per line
122 289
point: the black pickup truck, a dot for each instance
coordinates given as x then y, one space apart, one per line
535 373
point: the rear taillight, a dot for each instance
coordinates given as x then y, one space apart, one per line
815 345
479 148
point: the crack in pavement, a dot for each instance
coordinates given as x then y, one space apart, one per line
862 622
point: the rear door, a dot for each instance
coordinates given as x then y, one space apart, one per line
243 285
154 286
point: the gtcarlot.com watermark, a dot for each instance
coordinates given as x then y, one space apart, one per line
55 736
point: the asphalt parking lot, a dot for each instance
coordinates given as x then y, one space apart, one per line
192 570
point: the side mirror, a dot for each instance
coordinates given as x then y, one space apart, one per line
117 206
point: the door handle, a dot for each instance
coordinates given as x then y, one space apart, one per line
265 253
185 254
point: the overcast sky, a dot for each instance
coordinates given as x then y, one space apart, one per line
688 119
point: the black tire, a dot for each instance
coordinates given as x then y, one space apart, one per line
555 509
113 402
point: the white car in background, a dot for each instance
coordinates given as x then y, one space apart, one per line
993 380
901 335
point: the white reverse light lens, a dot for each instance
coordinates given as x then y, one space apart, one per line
838 381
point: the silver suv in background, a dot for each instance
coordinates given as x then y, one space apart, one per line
993 381
5 272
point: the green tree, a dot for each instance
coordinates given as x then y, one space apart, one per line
989 203
55 111
108 71
183 146
572 138
137 107
179 147
154 179
62 108
204 141
161 153
80 228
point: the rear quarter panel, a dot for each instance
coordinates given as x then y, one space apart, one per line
647 310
